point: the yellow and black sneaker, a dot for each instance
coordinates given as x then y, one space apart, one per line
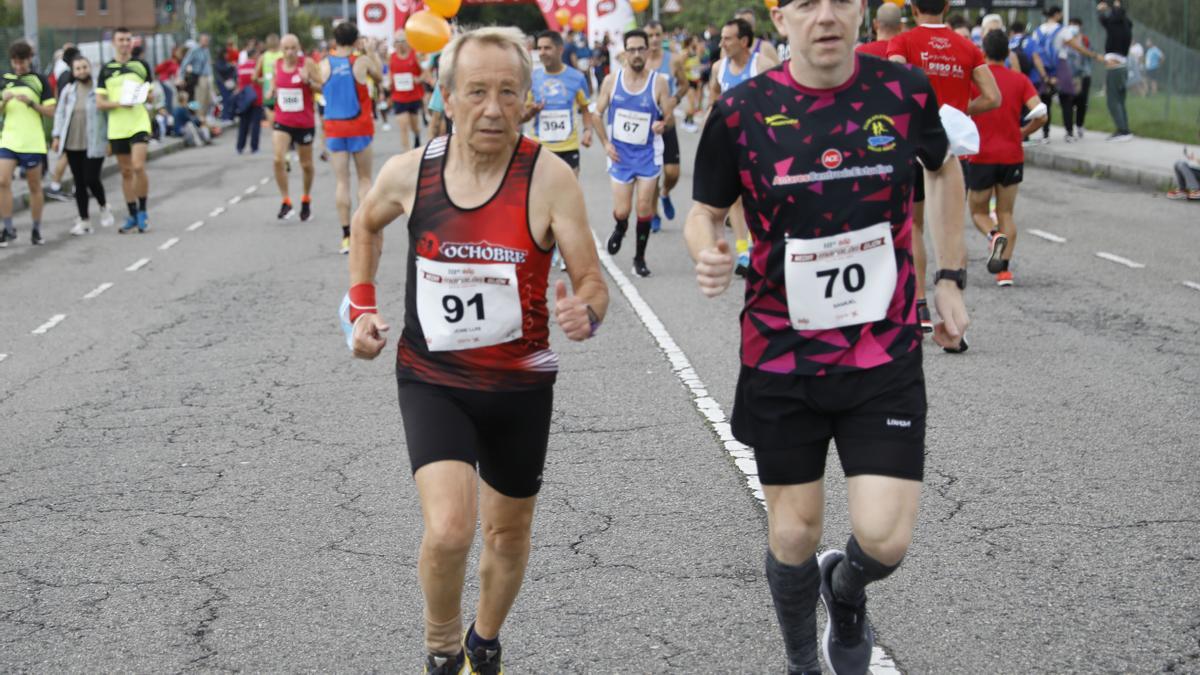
443 664
484 659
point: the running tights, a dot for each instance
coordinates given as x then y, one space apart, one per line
86 173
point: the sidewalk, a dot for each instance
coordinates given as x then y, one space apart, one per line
1145 162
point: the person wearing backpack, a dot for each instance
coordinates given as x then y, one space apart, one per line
1051 43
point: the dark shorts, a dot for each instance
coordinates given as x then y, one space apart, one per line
570 157
876 416
986 176
123 146
670 146
406 107
300 136
918 183
504 434
25 160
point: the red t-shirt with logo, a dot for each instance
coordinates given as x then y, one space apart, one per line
947 58
246 78
1000 129
878 48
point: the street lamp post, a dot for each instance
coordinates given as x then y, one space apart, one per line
283 18
31 27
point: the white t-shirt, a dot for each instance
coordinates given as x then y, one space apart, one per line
1064 36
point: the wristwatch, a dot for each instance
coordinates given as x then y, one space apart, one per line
957 276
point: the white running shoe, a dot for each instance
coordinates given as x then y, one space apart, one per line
106 217
81 228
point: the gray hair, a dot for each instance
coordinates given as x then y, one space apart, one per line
995 20
502 36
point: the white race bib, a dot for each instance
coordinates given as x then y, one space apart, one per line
467 305
554 125
402 81
289 100
842 280
631 126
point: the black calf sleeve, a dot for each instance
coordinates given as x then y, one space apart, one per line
643 237
855 571
794 590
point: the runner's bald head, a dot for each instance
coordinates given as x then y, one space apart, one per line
289 40
887 22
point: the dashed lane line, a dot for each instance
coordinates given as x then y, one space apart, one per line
3 356
235 199
169 243
216 212
195 226
1192 285
265 180
54 321
137 265
95 292
881 662
1048 236
250 190
1112 257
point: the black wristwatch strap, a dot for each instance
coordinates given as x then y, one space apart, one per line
957 276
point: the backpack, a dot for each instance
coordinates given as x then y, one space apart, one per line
1020 48
1043 46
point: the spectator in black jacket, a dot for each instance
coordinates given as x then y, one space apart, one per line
1118 36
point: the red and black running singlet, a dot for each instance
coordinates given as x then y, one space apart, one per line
475 314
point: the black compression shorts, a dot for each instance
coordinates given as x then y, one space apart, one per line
982 177
300 135
670 146
505 434
918 183
123 146
877 417
571 157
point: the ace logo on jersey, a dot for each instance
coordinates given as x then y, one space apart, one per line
831 159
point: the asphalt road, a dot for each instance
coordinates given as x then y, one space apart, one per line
195 475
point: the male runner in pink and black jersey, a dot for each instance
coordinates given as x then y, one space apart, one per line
822 151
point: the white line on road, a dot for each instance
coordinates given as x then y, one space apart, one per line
137 265
169 243
54 321
98 290
3 356
216 212
1192 285
250 190
743 456
195 226
235 199
1111 257
1048 236
264 181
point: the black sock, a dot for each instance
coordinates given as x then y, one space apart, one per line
345 230
622 224
643 237
794 590
133 208
1003 265
475 642
855 571
142 203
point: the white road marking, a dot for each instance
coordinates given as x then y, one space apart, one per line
169 243
216 212
235 199
137 265
1112 257
250 190
1192 285
264 181
54 321
195 226
98 290
1047 236
3 356
743 456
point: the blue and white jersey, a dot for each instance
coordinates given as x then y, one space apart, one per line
630 116
664 70
728 79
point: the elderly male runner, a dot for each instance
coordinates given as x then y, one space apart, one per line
485 207
294 78
831 347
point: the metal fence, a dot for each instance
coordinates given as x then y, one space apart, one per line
96 44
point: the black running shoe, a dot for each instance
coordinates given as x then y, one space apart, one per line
441 664
639 268
614 242
962 346
36 238
7 236
285 210
997 243
305 210
924 317
848 638
483 661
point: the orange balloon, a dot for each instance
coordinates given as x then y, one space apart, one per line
772 4
444 8
639 5
563 15
579 22
427 32
898 3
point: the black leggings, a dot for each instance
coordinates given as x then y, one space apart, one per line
86 172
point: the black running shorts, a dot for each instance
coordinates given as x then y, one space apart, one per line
123 146
982 177
300 135
876 416
571 157
918 183
670 146
504 434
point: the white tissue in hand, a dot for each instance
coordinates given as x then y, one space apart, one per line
962 132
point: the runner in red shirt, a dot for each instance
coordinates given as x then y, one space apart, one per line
886 25
1000 164
404 70
295 121
952 63
250 117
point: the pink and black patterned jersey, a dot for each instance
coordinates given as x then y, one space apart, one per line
811 164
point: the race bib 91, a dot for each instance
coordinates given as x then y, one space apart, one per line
466 305
554 125
631 126
842 280
289 99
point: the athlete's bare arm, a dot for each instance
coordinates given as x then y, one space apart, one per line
368 66
989 93
768 56
558 215
322 74
312 75
714 88
602 102
679 70
705 235
944 203
390 197
666 103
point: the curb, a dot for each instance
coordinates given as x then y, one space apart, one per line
1157 180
